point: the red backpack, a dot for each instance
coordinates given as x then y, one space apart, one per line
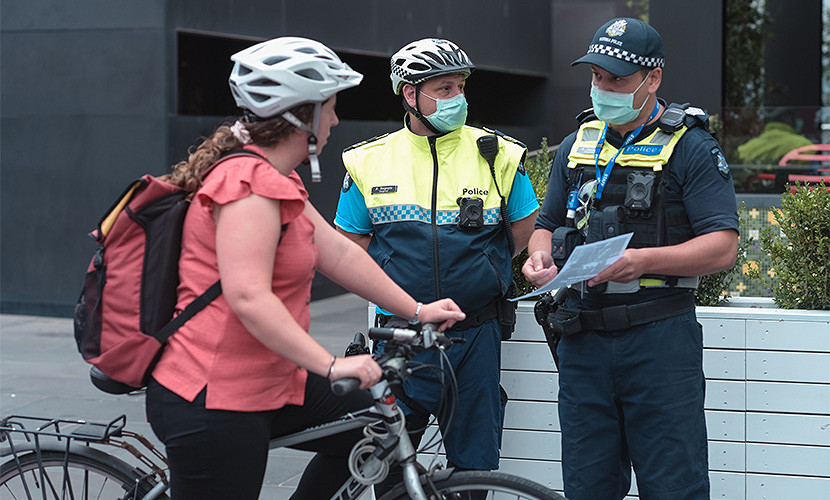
125 311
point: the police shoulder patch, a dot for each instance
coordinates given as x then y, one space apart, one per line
347 182
720 162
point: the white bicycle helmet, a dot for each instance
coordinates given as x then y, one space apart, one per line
270 78
274 76
424 59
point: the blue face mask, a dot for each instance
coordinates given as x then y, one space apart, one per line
450 114
614 107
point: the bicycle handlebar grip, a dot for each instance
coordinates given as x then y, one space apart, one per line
379 333
343 386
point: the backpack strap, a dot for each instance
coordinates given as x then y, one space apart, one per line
194 307
230 154
197 305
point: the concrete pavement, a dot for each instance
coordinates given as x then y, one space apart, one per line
42 374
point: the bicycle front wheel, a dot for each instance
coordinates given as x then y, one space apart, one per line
480 485
88 475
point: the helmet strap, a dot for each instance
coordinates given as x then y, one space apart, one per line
416 111
249 117
313 161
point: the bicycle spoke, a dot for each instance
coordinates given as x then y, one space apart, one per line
13 496
79 478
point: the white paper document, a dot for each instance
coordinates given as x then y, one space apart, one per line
585 262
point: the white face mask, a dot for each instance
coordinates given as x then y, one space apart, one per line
614 107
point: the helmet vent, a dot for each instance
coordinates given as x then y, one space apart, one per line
415 66
311 74
271 61
264 82
433 56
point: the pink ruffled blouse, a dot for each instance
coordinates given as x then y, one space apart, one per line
213 349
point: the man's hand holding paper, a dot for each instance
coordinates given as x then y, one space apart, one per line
597 262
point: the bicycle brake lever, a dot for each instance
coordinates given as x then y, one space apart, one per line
357 346
445 342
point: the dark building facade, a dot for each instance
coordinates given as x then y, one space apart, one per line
97 92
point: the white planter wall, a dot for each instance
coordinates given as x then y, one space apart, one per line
767 402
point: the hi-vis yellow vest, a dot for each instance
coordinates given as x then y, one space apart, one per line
668 227
653 152
411 186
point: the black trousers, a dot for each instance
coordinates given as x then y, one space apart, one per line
220 454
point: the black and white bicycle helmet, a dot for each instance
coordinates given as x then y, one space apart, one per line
272 77
424 59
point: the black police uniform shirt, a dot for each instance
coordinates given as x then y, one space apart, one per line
697 169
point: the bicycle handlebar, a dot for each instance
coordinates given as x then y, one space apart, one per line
427 337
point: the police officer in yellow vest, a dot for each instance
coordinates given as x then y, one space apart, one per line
443 207
629 347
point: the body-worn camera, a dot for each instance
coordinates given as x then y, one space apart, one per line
639 191
471 214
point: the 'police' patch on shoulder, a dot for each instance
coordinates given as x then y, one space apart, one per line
384 189
720 162
347 182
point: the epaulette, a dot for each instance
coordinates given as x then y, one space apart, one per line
367 141
586 115
504 136
696 117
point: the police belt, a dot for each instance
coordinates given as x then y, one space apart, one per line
473 319
571 321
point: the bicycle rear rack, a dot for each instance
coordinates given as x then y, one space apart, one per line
113 433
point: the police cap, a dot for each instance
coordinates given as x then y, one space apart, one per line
623 46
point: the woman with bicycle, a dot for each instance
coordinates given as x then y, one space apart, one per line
245 369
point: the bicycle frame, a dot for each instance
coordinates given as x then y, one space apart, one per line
384 411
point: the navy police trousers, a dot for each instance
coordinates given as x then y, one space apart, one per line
634 398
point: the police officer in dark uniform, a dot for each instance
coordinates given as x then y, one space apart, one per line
627 342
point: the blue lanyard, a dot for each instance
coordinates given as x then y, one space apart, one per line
603 176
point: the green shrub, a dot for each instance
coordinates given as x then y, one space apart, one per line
799 250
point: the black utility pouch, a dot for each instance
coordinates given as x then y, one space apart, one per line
565 321
543 308
507 312
544 311
562 243
604 224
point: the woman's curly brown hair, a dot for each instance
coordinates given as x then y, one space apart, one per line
187 174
